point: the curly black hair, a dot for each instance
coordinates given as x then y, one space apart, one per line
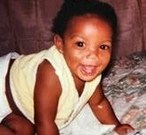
72 8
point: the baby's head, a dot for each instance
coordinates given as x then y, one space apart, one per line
73 8
84 32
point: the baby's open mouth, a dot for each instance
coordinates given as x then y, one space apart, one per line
88 69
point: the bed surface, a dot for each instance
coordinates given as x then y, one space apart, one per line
125 87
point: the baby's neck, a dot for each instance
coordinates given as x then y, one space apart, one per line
79 84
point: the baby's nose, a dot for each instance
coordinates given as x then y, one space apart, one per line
92 54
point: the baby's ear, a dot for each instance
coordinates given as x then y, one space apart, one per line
58 41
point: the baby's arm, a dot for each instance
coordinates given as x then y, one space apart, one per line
46 96
104 112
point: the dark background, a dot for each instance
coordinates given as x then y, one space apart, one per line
25 25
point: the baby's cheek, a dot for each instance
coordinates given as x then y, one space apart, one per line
105 61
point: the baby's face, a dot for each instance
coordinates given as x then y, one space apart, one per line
87 46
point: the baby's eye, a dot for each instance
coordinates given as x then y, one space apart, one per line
80 44
105 47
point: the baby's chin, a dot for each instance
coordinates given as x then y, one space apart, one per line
87 78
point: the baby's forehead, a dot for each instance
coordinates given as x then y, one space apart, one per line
86 18
88 25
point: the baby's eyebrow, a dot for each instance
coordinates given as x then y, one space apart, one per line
77 36
108 41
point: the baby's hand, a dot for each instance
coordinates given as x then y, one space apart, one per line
124 129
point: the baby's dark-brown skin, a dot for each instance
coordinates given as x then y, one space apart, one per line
86 47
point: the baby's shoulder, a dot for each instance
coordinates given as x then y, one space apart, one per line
46 67
47 78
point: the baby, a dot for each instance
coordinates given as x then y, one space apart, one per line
54 91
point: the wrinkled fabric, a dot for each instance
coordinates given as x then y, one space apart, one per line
125 87
91 126
4 105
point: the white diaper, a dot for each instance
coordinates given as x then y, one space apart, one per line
86 124
4 62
